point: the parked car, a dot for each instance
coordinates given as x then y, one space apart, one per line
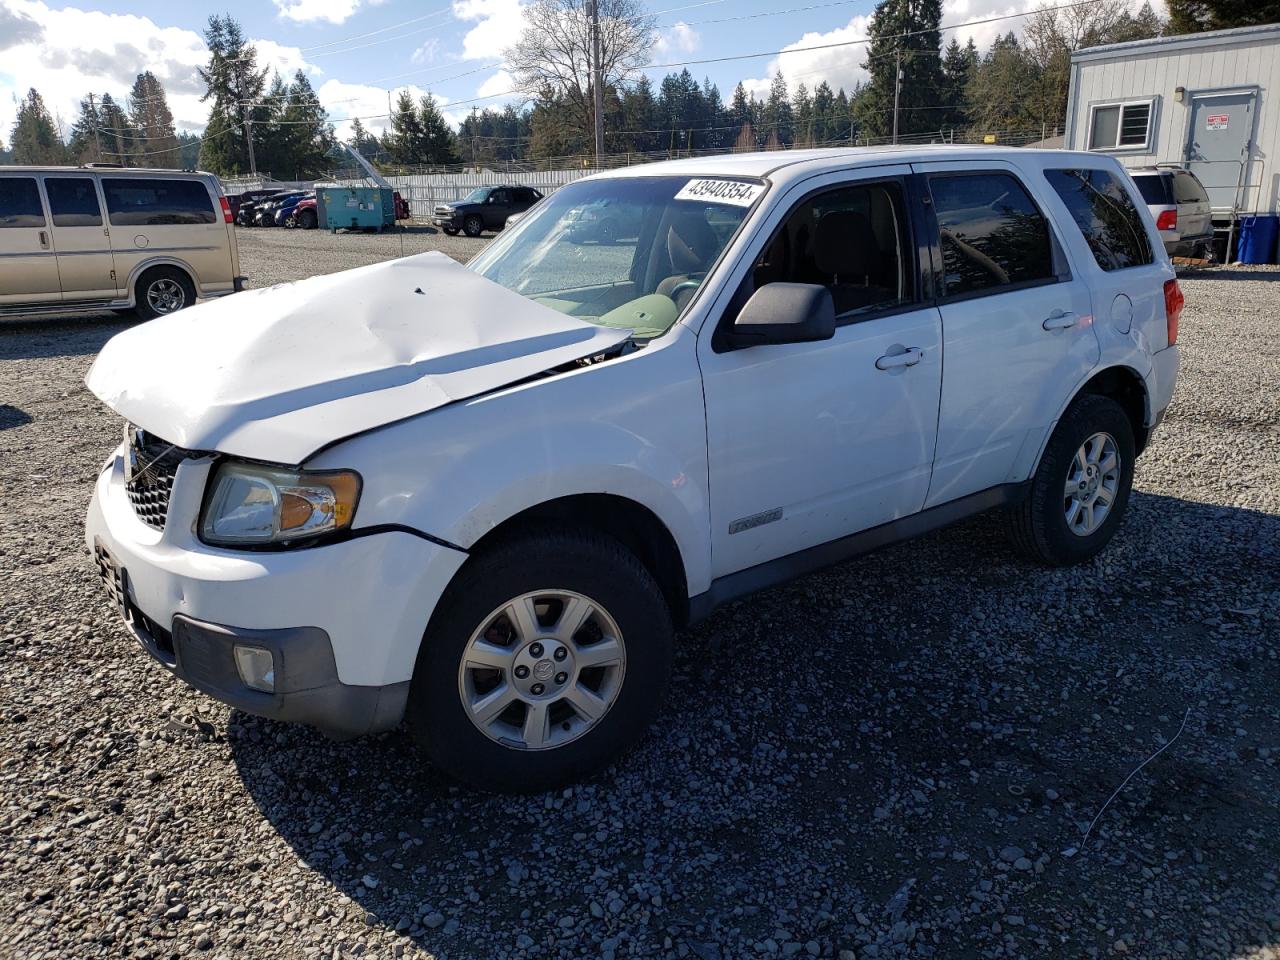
248 208
265 214
605 222
244 197
303 215
93 238
490 517
485 208
286 207
1180 207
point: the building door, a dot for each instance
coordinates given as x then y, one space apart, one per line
1218 146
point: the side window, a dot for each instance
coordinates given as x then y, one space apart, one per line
73 202
143 202
1154 188
20 203
991 233
500 196
1102 209
852 240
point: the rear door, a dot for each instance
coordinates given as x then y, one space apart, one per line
497 208
28 258
1017 325
166 219
81 236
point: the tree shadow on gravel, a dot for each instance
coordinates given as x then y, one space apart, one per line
33 338
896 756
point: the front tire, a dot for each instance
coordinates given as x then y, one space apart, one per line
162 291
1080 491
547 657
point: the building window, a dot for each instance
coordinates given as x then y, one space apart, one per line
1120 126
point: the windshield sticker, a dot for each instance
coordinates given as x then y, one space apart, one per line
733 192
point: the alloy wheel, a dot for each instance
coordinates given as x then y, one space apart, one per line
165 295
1093 480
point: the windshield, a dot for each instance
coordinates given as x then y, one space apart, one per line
478 195
621 252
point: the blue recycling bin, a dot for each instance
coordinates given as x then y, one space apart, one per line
1257 243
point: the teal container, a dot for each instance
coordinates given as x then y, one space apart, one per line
1257 243
355 208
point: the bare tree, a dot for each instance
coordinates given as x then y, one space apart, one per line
553 53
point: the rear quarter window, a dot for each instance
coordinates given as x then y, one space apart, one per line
1154 188
146 202
1106 216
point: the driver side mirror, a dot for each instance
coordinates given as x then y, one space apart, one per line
785 313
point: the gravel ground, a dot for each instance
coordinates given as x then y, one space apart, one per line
897 757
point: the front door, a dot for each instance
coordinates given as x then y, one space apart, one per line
1218 145
1017 326
28 258
82 238
497 209
810 442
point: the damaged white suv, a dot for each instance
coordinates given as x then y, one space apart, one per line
481 499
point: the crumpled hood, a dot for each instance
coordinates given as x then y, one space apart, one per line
278 373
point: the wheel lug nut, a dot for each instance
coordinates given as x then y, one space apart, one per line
522 671
535 650
560 653
537 689
561 677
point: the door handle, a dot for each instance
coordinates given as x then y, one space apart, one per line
909 357
44 239
1060 320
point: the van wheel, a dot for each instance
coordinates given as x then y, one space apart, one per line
1081 488
547 657
473 226
163 290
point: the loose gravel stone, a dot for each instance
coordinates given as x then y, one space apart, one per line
924 681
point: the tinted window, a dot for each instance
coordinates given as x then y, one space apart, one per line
20 203
73 202
500 196
139 202
1153 187
1106 216
990 231
853 241
1187 189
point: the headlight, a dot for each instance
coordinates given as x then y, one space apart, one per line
253 505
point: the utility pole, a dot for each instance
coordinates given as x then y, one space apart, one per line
93 107
247 116
597 79
897 89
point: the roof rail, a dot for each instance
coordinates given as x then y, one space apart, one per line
104 163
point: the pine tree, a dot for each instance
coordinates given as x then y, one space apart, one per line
802 111
958 65
997 94
84 145
151 117
235 85
439 145
776 118
1196 16
120 140
824 124
905 32
34 138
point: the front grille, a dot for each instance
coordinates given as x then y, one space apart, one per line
152 464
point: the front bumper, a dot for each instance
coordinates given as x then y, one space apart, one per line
343 621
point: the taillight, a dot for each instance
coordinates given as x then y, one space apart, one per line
1168 220
1173 301
226 210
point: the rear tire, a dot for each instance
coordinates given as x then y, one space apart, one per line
161 291
307 220
540 739
473 226
1080 491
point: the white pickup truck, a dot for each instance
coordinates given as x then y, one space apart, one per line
482 499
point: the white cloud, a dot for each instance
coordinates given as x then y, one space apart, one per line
498 27
427 52
311 11
676 39
67 53
370 103
499 83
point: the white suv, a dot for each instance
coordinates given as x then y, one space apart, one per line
483 498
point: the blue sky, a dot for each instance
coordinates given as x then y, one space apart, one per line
356 51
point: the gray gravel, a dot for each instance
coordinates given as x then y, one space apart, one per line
897 757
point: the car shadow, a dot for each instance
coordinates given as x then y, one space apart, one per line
908 745
59 335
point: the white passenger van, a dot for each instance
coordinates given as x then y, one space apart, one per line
484 498
93 237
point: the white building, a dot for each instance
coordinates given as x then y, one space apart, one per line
1206 101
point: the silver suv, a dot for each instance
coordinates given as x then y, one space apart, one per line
1180 207
93 237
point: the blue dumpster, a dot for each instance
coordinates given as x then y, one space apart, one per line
1257 243
355 208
